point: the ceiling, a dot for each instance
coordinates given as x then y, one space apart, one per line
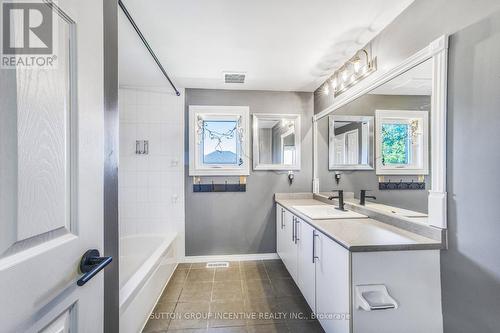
283 45
416 81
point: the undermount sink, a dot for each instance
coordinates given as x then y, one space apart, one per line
326 212
394 210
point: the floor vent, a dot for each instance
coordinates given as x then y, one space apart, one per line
217 264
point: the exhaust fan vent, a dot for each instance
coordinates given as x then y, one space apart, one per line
234 77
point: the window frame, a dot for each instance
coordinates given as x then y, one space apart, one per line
418 155
197 167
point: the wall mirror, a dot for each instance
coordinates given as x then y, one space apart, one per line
350 142
406 110
276 141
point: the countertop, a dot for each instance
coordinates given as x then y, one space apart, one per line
362 234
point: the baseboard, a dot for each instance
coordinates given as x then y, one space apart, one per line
230 257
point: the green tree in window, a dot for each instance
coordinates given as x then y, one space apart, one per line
395 144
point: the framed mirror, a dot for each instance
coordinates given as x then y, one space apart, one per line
276 141
350 142
408 104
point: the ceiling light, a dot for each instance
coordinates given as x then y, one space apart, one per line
354 70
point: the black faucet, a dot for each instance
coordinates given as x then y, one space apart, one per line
363 196
340 197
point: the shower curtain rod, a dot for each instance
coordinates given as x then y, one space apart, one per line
136 28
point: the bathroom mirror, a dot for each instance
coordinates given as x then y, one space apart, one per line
276 141
350 142
407 108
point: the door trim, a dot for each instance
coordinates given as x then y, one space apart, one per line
111 153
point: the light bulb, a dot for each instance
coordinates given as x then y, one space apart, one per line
344 75
326 89
357 65
334 82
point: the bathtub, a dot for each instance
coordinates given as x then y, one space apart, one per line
146 264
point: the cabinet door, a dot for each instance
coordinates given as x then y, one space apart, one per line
290 248
332 285
306 266
280 231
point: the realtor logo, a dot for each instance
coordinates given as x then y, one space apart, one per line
28 32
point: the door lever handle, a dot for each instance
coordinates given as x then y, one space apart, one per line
91 264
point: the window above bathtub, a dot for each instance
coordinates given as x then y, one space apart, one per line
218 140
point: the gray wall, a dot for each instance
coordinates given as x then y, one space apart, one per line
354 181
470 268
244 223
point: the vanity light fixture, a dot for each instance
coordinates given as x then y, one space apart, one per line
350 73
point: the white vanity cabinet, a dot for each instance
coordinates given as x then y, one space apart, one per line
332 284
286 246
306 271
280 231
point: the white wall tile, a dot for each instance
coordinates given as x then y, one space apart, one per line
151 186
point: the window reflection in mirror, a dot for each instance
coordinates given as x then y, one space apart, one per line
276 142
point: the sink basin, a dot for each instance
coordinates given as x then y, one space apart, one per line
394 210
326 212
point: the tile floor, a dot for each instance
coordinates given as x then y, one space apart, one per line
249 296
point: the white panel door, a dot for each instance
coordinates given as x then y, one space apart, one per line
352 149
306 277
332 285
51 180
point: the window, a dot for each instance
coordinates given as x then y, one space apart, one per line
218 142
402 142
395 143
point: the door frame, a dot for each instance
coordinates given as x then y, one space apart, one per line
111 153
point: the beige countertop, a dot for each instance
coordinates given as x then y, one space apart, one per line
361 234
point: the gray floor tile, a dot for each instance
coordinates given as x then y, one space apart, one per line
263 311
305 327
171 292
196 291
228 274
295 308
227 313
184 265
200 275
268 328
257 288
239 329
227 290
254 272
160 318
285 287
179 276
190 315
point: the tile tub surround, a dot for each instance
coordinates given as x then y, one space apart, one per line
248 296
359 234
151 188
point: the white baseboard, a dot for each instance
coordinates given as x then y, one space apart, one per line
231 257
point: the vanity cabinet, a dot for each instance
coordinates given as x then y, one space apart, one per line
280 231
332 284
286 245
306 272
330 277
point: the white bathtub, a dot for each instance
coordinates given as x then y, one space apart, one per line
146 264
